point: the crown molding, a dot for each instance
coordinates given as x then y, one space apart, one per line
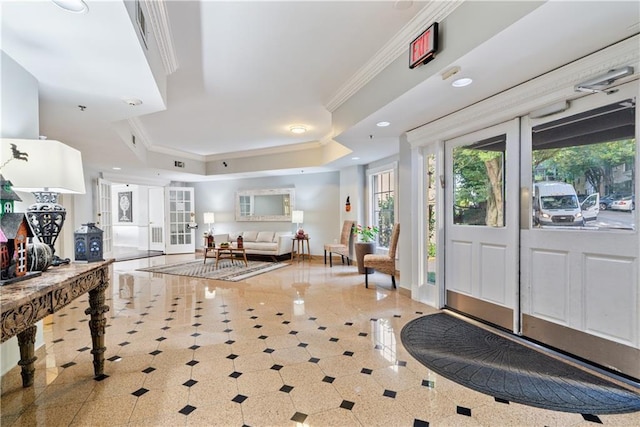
554 86
434 11
162 31
264 151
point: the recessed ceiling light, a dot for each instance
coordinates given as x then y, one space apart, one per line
465 81
298 129
115 168
402 4
355 158
73 6
383 124
133 102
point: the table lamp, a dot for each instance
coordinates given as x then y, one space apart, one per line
46 168
209 218
297 217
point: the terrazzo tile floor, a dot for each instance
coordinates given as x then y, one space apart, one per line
306 345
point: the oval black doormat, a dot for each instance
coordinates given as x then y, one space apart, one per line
497 366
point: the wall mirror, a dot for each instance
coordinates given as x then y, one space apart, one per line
274 204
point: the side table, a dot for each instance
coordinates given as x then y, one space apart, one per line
301 241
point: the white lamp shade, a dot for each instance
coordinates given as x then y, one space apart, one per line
42 164
297 217
209 218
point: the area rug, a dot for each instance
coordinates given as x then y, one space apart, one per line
231 272
500 367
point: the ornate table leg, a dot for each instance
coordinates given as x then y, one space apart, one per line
26 341
97 324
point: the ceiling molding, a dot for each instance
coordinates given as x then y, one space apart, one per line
162 31
552 87
434 11
264 151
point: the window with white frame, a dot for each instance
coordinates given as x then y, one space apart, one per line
383 184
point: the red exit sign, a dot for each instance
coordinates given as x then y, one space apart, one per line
423 48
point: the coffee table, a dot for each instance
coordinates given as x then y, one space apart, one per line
227 253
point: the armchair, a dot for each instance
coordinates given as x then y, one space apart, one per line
384 263
343 248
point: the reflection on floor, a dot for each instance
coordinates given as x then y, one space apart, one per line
303 345
127 253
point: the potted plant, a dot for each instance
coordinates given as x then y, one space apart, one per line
366 245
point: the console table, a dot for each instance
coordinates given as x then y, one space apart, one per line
24 303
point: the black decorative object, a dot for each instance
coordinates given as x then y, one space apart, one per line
88 243
46 218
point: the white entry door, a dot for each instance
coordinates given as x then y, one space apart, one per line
580 284
105 220
180 206
482 200
156 219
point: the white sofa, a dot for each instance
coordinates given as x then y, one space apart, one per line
270 243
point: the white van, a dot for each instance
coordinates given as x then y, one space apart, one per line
556 203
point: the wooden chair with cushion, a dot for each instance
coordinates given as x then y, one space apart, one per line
384 263
342 248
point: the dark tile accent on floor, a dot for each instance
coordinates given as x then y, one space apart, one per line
347 405
101 377
591 418
328 379
84 349
148 370
428 383
389 393
232 356
192 362
190 383
187 410
239 398
499 400
348 353
268 350
139 392
155 352
235 374
366 371
286 388
299 417
68 365
463 411
420 423
194 347
314 360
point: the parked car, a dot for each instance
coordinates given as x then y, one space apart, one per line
624 204
605 202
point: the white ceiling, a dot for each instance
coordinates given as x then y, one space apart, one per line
246 71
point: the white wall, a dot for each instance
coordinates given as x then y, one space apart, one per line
317 194
19 119
134 234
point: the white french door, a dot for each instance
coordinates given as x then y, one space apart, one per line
481 224
581 285
179 207
105 219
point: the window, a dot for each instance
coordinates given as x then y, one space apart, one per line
478 183
583 170
383 204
